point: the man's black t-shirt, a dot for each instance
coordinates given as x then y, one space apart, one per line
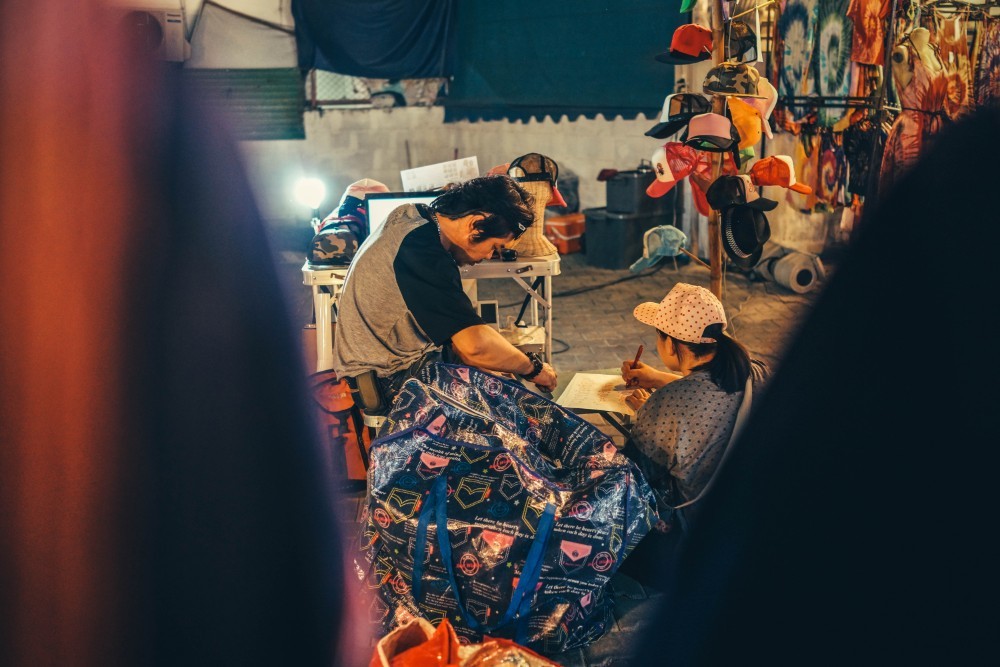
402 298
430 283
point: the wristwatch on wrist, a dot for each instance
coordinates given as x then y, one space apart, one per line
537 364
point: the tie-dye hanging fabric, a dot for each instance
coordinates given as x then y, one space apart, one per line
832 171
869 21
953 47
498 509
797 28
988 74
832 63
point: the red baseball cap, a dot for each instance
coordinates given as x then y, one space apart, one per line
777 170
700 200
702 176
672 161
691 43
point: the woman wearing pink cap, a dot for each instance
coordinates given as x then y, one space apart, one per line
686 415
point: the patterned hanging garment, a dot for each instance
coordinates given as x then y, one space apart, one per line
831 171
988 72
869 30
953 45
797 28
922 101
832 64
859 143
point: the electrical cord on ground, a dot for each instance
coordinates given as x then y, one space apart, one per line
591 288
739 310
566 346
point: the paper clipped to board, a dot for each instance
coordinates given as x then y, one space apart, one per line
439 175
593 391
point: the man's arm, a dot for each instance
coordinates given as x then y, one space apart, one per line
481 345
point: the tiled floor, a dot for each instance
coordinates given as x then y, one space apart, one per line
594 328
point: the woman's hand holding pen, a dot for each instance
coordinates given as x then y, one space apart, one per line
639 375
645 376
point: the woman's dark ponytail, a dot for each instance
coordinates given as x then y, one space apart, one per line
730 366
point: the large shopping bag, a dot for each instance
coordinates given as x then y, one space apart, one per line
499 510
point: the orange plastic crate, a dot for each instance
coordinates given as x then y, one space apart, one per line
566 232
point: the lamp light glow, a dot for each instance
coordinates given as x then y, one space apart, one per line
310 192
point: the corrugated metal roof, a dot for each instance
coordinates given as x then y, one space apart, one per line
262 103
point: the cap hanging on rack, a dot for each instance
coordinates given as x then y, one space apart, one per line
747 120
741 43
714 133
744 230
678 109
728 78
691 43
738 190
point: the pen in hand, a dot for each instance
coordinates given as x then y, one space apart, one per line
635 364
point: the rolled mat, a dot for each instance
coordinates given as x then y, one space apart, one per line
796 271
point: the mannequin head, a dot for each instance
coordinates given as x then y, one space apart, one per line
920 37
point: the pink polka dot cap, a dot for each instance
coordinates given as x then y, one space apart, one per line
684 313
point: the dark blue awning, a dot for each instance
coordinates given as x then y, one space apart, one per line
522 59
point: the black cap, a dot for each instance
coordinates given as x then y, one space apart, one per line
729 191
741 41
744 231
678 109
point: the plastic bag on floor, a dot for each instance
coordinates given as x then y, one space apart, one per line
417 644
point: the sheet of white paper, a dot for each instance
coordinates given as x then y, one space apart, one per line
440 174
591 391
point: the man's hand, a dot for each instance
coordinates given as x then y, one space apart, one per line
637 399
546 379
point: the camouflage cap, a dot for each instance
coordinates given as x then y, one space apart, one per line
731 78
333 246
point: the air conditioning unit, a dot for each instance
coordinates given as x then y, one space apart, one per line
159 31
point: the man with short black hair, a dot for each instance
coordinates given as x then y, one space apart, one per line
402 304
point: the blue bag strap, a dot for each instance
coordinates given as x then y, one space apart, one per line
532 572
420 542
520 601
